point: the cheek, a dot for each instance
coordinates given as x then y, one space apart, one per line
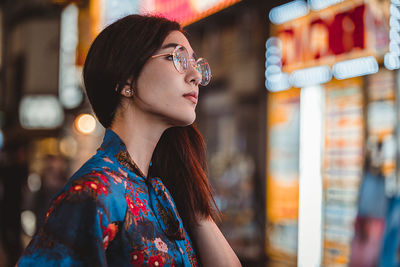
157 94
157 77
159 85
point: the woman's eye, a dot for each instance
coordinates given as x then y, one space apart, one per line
170 57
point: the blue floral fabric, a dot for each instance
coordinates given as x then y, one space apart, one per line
107 215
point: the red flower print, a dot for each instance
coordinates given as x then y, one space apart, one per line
190 253
140 204
48 213
103 189
156 261
99 175
77 188
59 198
124 173
160 245
115 175
136 258
134 209
107 159
55 202
109 234
93 186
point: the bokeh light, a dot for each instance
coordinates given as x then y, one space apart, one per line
317 5
34 182
288 11
1 139
68 146
310 76
28 222
85 123
40 112
355 67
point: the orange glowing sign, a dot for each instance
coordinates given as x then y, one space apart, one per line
91 16
189 11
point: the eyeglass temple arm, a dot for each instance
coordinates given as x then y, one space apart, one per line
161 55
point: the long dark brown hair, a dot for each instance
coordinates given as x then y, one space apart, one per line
119 53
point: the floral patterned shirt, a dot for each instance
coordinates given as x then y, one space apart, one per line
107 215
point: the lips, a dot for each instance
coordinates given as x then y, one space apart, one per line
192 96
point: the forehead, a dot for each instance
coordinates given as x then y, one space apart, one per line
178 38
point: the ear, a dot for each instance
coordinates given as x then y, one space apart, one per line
127 90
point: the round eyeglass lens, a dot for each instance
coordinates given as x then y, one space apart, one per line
203 67
181 58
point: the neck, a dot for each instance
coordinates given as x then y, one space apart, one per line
140 132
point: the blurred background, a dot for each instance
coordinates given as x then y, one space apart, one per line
301 120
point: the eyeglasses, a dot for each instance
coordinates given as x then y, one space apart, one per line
182 60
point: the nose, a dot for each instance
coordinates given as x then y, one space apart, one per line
193 75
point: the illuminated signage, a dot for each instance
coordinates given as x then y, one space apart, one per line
355 67
342 41
347 30
93 17
310 76
186 12
321 4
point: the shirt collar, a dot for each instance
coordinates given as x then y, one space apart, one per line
114 147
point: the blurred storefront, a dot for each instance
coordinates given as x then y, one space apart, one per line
332 137
50 131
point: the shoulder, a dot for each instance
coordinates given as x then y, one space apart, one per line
103 185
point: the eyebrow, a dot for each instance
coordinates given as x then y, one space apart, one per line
169 45
174 45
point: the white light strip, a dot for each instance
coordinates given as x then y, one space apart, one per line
70 94
394 11
317 5
392 58
392 61
275 79
288 11
310 182
394 47
277 82
310 76
355 67
394 23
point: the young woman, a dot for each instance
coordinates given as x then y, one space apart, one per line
144 198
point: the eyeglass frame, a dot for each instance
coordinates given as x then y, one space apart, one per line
189 58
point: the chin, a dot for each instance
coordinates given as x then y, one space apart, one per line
185 121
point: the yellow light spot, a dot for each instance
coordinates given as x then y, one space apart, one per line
85 123
68 146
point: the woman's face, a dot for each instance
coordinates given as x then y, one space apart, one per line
164 92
